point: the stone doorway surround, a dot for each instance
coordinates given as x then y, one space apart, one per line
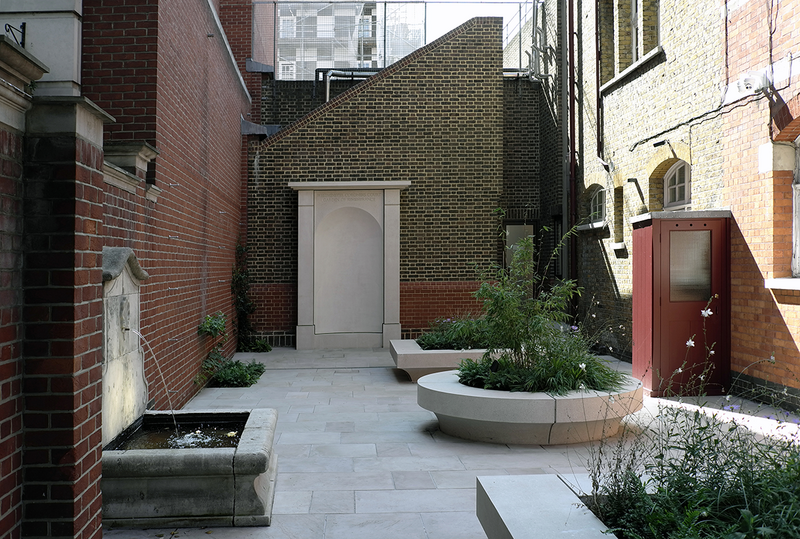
348 260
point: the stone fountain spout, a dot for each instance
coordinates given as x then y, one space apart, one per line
124 385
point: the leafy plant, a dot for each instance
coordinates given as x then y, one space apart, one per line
244 306
530 346
457 333
213 325
686 473
237 374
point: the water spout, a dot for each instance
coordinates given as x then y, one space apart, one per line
161 374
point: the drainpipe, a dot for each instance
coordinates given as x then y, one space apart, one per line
566 122
598 96
573 198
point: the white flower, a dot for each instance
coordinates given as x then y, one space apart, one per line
594 315
582 366
728 398
690 343
706 313
581 386
711 352
231 434
611 399
702 377
784 391
772 358
678 370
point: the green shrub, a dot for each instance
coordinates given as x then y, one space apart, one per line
687 474
213 325
237 374
458 333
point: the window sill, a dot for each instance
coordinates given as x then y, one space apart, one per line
597 225
628 72
783 283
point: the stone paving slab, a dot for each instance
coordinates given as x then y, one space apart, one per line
358 458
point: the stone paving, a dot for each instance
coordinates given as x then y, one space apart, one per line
359 459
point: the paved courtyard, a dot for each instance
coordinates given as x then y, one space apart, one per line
359 459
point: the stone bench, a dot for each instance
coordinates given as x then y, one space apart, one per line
408 356
535 507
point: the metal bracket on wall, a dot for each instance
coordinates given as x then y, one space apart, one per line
17 33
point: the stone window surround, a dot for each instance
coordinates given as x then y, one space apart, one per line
777 156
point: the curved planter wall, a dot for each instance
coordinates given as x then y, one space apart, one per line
525 418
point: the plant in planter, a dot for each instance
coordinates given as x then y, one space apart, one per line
547 387
690 471
530 344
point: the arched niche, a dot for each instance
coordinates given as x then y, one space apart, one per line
348 256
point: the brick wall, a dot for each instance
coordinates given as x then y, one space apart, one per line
434 118
11 332
764 321
655 101
186 236
63 332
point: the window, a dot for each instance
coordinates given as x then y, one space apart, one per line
597 207
288 27
628 31
288 70
677 187
364 27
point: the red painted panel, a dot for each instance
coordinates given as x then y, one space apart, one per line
643 304
679 364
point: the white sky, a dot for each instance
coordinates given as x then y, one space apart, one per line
444 16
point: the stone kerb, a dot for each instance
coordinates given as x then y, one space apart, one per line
525 418
415 361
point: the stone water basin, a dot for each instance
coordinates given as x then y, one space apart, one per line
224 486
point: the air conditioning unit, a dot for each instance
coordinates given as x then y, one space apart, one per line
753 82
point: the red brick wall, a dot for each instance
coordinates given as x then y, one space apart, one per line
763 321
119 64
11 333
423 302
186 239
63 336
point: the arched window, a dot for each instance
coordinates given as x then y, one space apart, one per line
677 186
597 207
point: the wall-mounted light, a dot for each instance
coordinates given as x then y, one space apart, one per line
660 143
632 180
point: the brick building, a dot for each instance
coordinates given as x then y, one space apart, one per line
120 127
687 113
444 120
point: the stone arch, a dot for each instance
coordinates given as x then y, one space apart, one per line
661 161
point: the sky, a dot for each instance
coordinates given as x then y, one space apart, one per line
444 16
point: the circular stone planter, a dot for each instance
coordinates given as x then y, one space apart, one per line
506 417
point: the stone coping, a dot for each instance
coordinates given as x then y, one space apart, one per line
535 507
408 356
525 418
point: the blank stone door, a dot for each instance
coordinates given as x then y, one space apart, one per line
348 258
